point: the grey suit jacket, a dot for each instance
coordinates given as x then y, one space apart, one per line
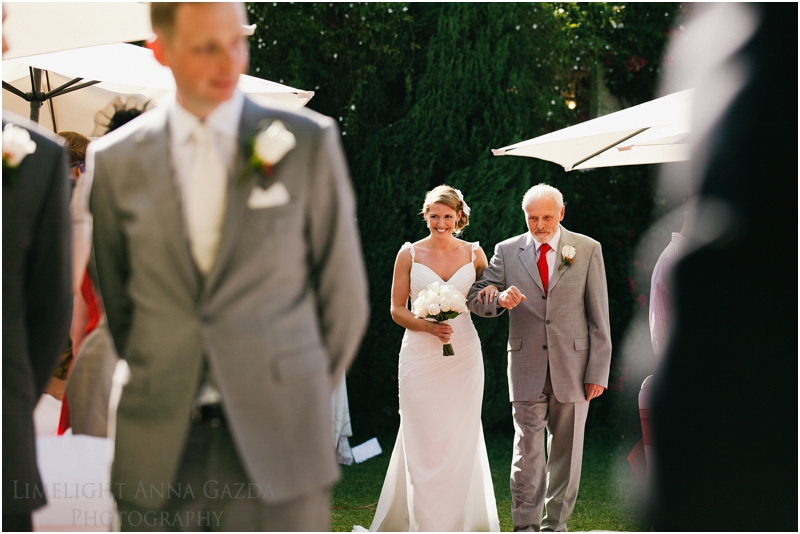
37 303
279 317
569 328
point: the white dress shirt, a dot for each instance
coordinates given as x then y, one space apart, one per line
661 293
552 254
224 125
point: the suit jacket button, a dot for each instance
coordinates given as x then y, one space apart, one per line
544 297
544 347
547 321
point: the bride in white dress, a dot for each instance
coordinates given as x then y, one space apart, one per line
438 477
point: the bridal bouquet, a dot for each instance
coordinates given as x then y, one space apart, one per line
440 302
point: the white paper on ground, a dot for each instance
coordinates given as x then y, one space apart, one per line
366 450
76 481
46 415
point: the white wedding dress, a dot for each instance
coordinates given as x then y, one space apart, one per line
438 477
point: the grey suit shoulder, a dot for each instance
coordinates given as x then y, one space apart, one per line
34 129
522 239
154 121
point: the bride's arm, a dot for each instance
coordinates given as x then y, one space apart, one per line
480 262
401 291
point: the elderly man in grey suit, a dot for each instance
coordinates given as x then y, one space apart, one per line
553 283
235 293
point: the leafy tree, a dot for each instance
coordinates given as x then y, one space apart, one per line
422 92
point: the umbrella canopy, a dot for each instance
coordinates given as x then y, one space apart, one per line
653 132
122 70
43 27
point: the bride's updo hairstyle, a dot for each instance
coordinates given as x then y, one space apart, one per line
452 198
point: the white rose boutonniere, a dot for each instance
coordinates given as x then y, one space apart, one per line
17 145
567 253
268 148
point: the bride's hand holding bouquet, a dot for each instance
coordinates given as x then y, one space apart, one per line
439 303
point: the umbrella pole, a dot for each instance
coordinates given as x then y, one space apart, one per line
609 147
50 102
36 87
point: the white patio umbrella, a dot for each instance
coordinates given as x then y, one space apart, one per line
113 70
653 132
43 27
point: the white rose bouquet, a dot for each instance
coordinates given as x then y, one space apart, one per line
440 302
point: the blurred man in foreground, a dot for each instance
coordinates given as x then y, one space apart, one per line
235 292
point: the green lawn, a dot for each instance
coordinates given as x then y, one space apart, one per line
607 499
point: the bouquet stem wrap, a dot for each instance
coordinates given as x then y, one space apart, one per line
447 348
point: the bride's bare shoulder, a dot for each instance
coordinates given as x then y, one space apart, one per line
409 251
422 246
465 245
423 243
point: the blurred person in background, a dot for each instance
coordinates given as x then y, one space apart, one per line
88 387
81 242
724 402
37 304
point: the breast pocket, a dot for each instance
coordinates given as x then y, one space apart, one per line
514 344
582 344
274 233
276 216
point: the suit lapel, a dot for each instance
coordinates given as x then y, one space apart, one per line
565 239
153 146
528 258
238 192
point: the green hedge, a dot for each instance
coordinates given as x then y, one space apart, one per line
422 92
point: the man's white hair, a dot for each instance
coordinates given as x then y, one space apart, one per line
538 192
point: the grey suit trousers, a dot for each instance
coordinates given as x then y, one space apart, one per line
530 471
211 492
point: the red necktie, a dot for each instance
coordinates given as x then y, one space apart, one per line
544 270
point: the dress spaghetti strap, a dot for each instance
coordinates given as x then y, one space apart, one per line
410 247
475 246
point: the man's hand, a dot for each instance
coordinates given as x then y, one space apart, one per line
509 298
593 390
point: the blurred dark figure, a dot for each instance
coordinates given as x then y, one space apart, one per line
36 302
724 403
118 113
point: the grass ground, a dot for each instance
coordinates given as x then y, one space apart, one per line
608 497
